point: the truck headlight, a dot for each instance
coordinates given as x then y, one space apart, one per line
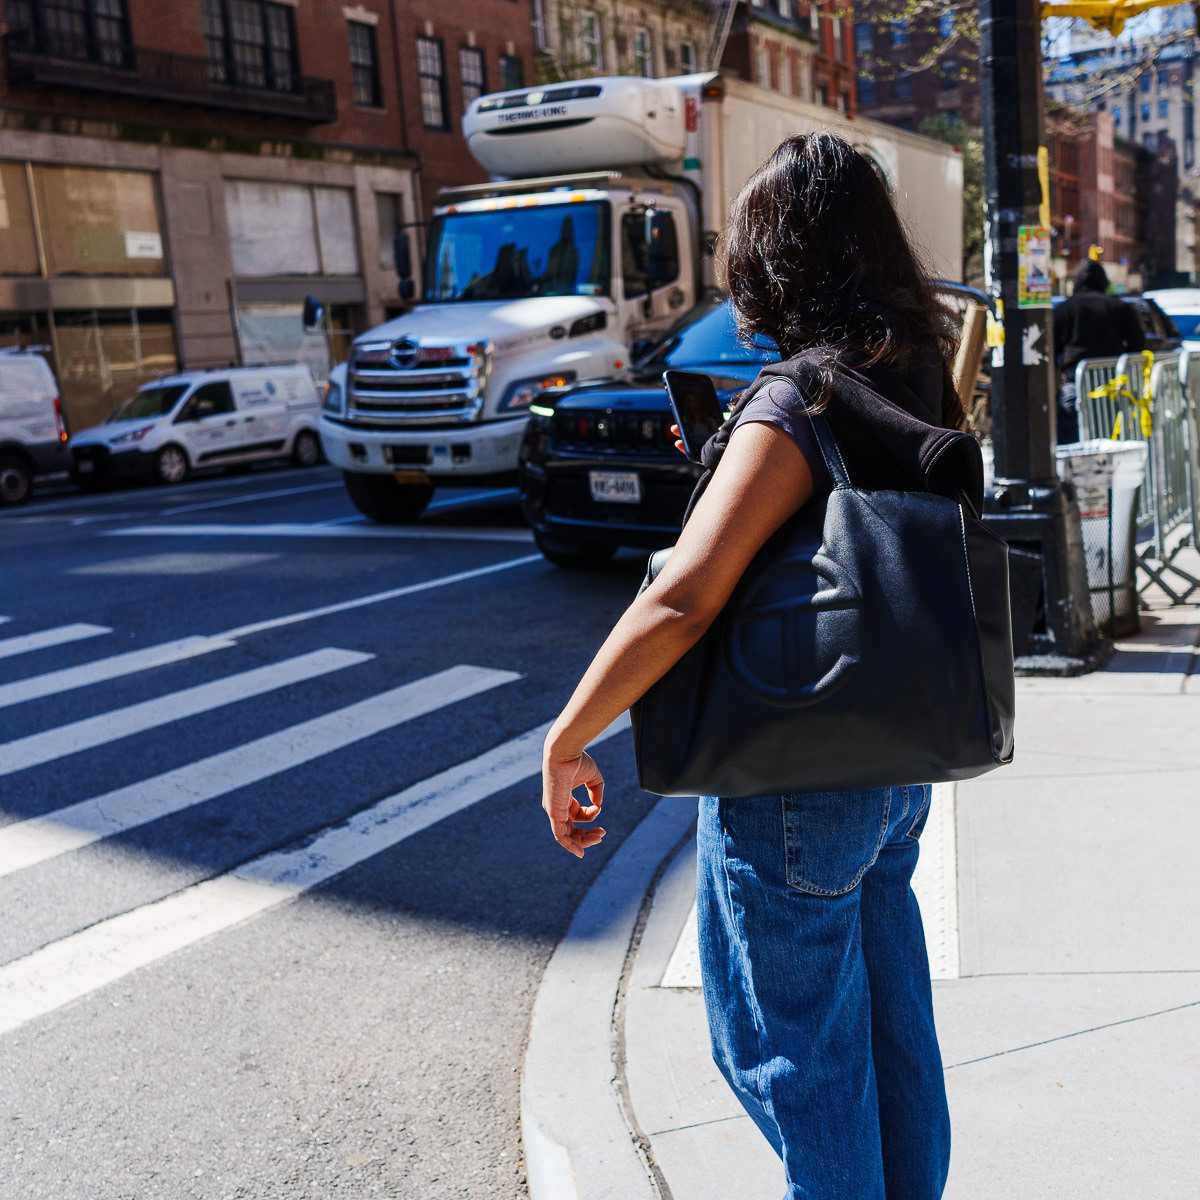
334 400
524 392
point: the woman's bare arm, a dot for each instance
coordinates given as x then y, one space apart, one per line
761 481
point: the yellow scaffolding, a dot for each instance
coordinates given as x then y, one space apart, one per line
1109 15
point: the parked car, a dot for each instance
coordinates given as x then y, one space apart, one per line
1182 306
598 468
229 418
33 435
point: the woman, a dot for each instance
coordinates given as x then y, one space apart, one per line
816 981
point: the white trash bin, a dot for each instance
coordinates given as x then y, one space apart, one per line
1106 476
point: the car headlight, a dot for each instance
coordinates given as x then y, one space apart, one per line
334 400
524 392
134 435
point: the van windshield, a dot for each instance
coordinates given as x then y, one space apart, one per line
515 253
149 402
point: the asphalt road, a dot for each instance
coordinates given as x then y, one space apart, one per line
278 891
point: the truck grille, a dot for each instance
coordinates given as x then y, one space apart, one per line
389 395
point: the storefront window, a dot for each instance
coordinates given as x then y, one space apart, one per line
104 356
290 229
18 247
98 222
275 333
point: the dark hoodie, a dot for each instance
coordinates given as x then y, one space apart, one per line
1094 325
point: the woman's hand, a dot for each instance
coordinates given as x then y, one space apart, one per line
678 440
561 775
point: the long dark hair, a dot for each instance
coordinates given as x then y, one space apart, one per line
815 257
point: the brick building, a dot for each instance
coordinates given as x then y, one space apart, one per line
177 175
916 66
797 49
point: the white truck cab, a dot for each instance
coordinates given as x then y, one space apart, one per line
178 423
530 283
33 436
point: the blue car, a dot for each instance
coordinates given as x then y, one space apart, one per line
598 468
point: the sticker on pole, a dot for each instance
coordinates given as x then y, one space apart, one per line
1034 281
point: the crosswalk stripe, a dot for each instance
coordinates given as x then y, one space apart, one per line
43 639
39 748
296 530
104 669
83 962
25 843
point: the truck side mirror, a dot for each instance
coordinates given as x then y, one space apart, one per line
314 314
662 253
404 267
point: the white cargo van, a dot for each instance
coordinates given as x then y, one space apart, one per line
170 427
33 438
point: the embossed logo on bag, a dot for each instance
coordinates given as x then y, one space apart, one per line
795 625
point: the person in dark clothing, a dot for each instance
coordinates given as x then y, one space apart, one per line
1091 324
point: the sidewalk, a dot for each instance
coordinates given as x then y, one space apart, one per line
1060 898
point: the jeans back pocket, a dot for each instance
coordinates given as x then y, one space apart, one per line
832 838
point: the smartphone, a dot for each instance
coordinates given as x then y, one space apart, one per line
696 407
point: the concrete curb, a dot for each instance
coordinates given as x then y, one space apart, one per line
578 1143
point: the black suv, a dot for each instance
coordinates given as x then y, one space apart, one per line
598 467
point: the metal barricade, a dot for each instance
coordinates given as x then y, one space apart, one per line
1156 400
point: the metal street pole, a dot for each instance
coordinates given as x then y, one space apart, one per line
1028 506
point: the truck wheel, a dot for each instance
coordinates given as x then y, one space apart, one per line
384 500
170 465
16 479
306 449
574 556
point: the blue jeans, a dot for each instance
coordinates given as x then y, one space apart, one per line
816 984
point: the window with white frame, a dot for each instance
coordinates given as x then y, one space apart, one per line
762 65
687 58
643 52
785 9
591 40
472 73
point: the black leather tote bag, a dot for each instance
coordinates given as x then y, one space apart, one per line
869 644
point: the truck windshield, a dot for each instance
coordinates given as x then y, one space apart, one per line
512 254
149 402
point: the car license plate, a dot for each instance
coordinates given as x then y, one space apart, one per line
85 465
410 476
616 487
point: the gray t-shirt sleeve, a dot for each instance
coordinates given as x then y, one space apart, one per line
778 403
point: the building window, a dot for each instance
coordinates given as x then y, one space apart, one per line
687 58
591 40
785 9
474 77
389 213
1145 112
946 25
948 70
290 229
1117 114
251 43
539 25
902 88
839 38
866 91
823 96
762 65
512 74
899 33
431 73
843 102
87 30
18 245
1144 83
364 65
864 37
1162 109
643 53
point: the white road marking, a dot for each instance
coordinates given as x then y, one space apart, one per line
104 669
296 491
39 748
472 497
409 589
285 530
176 562
24 843
77 965
45 638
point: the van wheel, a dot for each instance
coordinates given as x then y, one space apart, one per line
574 556
384 500
306 449
16 480
170 465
